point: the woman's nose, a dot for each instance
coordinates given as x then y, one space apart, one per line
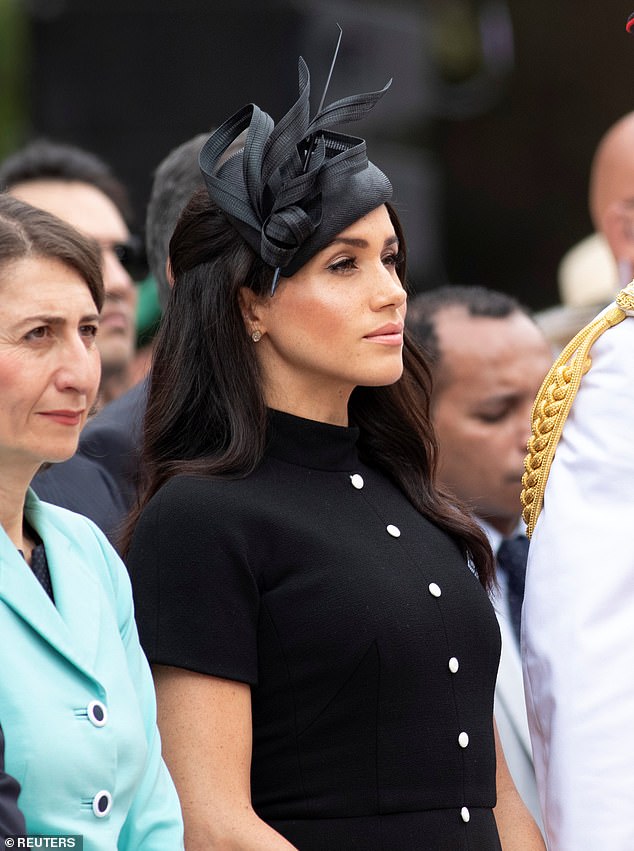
78 368
389 290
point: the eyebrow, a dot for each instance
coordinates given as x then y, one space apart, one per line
45 319
362 243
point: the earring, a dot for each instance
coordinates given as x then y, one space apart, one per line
256 336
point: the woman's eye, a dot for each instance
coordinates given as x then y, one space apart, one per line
89 331
342 265
39 333
393 259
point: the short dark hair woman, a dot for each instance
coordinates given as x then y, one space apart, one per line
77 704
324 657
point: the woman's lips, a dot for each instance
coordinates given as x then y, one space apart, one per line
388 335
67 418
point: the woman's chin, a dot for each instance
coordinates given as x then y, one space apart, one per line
58 456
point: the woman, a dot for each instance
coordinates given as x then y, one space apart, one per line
76 695
324 658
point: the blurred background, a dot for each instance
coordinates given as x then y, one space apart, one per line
487 132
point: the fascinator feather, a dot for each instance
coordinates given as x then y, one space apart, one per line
296 184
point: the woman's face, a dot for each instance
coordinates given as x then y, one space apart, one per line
49 362
334 325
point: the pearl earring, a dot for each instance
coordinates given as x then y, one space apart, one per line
256 336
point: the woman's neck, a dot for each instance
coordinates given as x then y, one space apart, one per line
12 495
334 412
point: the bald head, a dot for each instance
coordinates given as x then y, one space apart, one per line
612 193
612 173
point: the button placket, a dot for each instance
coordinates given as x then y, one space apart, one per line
434 589
454 666
357 482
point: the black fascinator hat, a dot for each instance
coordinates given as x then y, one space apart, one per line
295 185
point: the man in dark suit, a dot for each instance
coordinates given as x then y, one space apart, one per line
488 359
11 819
101 480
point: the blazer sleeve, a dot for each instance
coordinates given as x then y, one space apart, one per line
154 821
11 819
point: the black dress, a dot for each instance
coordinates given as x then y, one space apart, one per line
370 646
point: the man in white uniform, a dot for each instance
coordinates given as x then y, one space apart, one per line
578 619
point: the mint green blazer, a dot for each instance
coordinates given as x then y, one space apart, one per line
77 701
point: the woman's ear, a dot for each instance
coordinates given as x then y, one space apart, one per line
169 274
253 310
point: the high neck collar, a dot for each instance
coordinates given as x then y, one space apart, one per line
308 443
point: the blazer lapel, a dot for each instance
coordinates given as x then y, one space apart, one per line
71 627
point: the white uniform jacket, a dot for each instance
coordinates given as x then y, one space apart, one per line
578 617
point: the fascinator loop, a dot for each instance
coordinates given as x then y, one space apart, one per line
295 185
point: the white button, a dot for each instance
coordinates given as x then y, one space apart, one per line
357 481
463 739
394 531
434 589
97 713
465 815
102 803
454 665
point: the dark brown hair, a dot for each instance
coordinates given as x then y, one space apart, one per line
26 231
206 412
45 159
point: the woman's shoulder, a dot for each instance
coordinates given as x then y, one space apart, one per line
189 518
49 519
209 494
66 533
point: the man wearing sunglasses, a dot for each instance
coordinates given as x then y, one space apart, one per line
79 188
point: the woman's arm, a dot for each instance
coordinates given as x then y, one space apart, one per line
517 828
205 725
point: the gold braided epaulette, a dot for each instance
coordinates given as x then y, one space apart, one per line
553 403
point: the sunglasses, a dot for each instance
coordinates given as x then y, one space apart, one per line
132 256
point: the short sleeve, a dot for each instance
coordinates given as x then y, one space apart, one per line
196 600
